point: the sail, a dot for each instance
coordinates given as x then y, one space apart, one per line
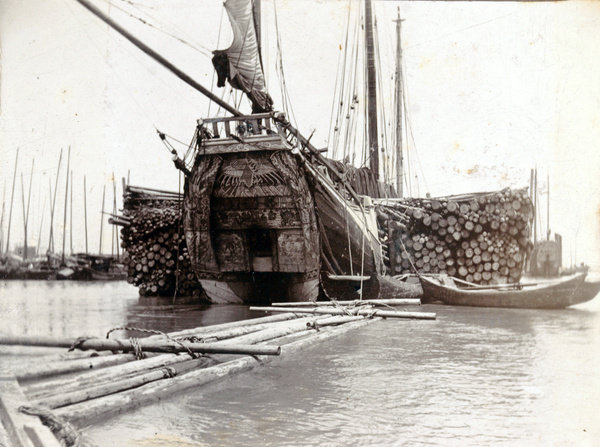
240 63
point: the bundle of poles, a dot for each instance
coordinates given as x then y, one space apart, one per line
483 238
152 237
104 377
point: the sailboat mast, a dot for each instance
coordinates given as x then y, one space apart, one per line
85 214
53 198
399 105
66 206
102 219
26 212
548 208
71 216
535 206
2 219
12 196
371 92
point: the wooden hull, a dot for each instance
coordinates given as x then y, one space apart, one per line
587 291
549 295
350 245
250 225
270 288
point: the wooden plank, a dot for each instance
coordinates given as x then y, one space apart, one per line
21 430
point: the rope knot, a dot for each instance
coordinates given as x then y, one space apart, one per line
77 343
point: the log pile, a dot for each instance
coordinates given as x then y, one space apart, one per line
482 238
152 236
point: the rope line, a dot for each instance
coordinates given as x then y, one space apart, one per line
152 331
66 433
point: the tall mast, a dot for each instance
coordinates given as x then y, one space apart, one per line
71 216
2 219
85 214
26 212
548 209
371 92
399 106
53 198
102 219
535 207
37 250
66 206
12 196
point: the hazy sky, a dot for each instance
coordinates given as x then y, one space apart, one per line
493 89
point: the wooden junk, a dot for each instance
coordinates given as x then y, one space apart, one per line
249 216
483 238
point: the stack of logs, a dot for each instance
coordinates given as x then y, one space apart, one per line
482 238
153 239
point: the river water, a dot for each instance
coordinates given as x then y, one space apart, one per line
473 377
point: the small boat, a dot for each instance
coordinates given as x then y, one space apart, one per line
587 291
556 294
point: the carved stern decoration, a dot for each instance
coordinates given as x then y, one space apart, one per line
249 215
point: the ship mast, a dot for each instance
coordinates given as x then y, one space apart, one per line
399 104
371 92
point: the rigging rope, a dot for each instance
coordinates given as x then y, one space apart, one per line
200 48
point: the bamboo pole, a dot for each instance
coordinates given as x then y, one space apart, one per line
99 376
112 405
276 331
115 386
383 302
349 311
281 329
127 346
44 369
233 324
214 333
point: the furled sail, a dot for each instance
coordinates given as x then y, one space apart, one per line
240 63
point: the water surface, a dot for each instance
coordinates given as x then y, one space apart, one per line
474 377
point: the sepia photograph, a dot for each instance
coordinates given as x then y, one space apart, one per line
299 223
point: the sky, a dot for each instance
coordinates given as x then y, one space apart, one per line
493 89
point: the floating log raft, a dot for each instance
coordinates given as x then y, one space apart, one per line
152 237
67 395
482 238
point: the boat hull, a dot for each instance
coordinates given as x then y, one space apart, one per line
251 228
549 295
269 288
